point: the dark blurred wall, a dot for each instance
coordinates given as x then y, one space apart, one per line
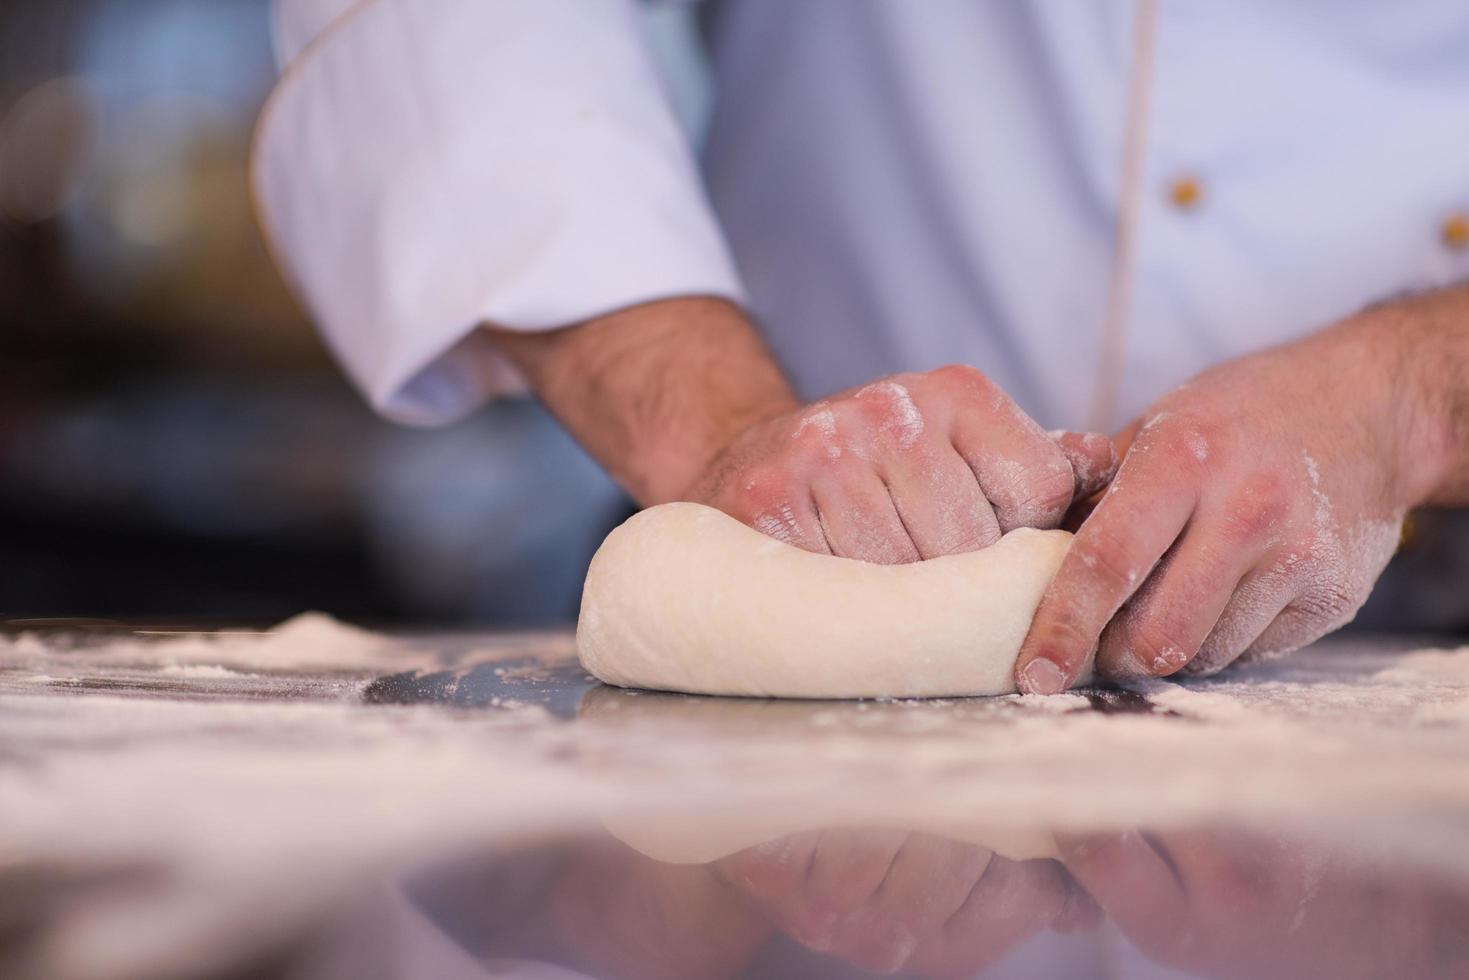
173 441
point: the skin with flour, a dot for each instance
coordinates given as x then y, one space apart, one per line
683 597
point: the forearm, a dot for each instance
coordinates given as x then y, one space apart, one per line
1422 342
656 391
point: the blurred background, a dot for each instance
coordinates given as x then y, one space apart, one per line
175 443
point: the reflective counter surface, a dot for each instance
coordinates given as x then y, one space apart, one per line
320 801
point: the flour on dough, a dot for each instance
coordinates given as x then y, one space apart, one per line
683 597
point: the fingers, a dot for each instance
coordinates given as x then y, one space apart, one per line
1093 460
1211 572
1164 625
1135 524
909 467
817 885
940 503
888 900
1011 901
859 518
1296 625
773 503
1132 882
1024 473
1258 600
942 506
929 880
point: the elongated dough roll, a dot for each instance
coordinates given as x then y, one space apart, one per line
683 597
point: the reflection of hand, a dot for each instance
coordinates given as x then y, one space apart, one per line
627 916
913 466
889 900
1230 906
1252 513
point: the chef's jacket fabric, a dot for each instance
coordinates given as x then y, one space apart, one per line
886 185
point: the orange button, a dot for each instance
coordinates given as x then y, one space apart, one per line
1186 192
1456 231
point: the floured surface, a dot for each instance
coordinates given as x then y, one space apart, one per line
247 762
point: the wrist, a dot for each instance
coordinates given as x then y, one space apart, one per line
657 391
667 465
1419 347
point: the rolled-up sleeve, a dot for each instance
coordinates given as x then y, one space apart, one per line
424 167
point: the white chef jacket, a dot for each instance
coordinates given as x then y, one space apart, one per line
1048 190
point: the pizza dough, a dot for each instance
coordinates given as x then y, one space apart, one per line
683 597
699 830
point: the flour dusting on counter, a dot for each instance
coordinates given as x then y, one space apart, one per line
284 737
310 641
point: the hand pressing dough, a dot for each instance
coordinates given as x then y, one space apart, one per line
683 597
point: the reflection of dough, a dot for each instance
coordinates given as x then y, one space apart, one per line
685 598
606 714
716 832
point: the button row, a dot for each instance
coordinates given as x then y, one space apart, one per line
1186 193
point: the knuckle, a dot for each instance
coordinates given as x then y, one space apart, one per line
1041 502
1253 512
761 489
1187 443
849 415
1248 521
963 374
890 416
1181 439
964 384
816 438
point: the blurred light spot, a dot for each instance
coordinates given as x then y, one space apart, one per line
46 140
151 210
151 192
1456 231
1185 192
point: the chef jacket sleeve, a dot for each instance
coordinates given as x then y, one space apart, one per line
424 167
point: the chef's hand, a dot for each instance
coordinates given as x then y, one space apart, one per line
891 900
679 400
1229 905
1256 505
909 467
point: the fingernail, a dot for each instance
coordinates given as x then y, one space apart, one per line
1168 660
1041 676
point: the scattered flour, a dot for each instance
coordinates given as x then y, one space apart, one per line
1437 667
1201 705
229 793
201 671
311 640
